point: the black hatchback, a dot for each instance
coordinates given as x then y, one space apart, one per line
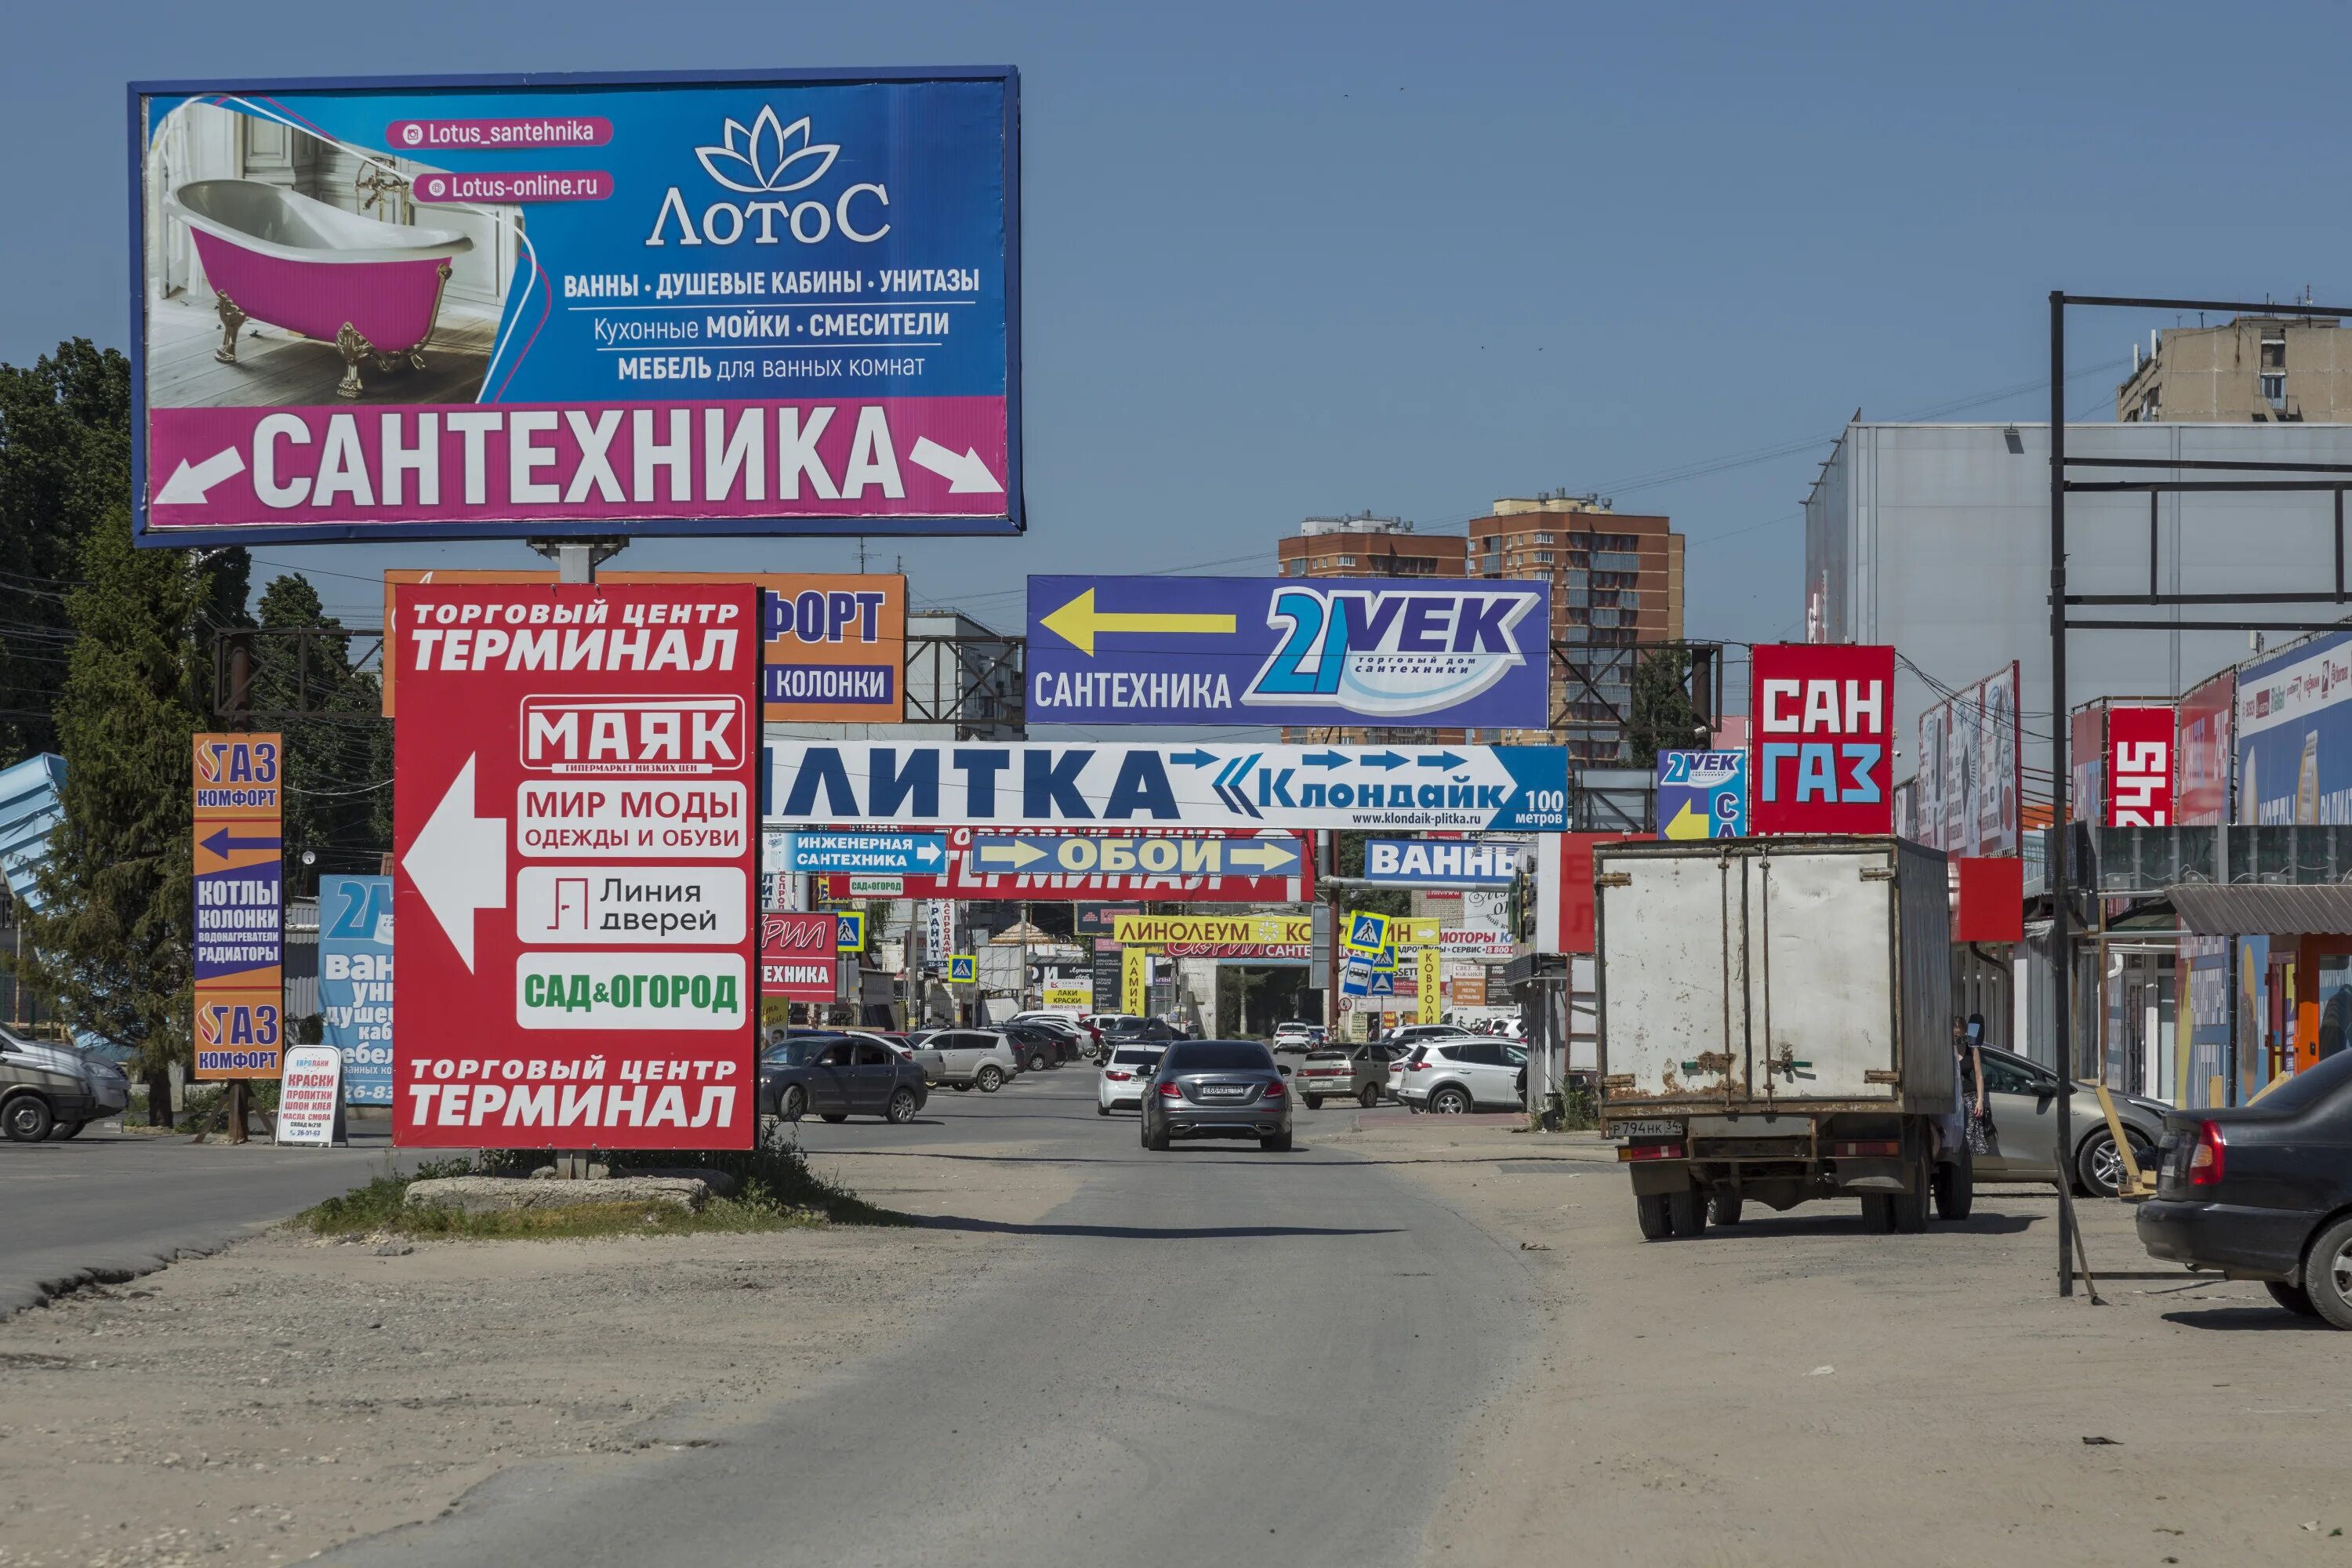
839 1077
2264 1192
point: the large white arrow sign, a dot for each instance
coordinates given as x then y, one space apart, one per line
189 482
966 473
459 863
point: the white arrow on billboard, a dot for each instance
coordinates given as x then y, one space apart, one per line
459 863
967 474
189 482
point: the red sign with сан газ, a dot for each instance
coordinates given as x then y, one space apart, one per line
576 858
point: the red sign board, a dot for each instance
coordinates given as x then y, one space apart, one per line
798 956
1823 719
962 880
2208 744
2139 767
576 858
1987 898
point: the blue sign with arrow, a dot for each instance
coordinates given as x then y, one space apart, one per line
1364 652
879 854
1144 855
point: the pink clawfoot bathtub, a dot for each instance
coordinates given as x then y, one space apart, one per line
370 288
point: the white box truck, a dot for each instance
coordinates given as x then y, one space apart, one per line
1774 1019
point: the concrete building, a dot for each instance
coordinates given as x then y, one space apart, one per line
1616 583
1369 546
1935 538
2257 369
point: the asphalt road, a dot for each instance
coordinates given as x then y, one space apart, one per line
106 1204
1213 1355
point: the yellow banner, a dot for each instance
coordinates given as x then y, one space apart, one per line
1135 982
1080 996
1430 1000
1270 930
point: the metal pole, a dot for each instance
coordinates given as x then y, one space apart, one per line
240 699
2061 942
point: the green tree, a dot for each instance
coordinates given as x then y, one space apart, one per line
113 939
65 463
1663 718
338 764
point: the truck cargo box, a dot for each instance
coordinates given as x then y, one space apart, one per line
1775 975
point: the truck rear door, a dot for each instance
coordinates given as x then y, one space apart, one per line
1825 937
1673 975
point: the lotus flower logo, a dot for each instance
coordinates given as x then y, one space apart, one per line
769 158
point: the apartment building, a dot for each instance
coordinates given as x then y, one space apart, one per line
2282 369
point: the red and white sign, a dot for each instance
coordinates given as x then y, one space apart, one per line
962 880
2139 767
310 1093
576 861
798 957
1824 739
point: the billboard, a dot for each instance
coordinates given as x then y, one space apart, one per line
797 958
1107 870
2295 733
1363 652
1824 739
576 864
241 896
2200 791
2139 766
586 305
355 981
1026 785
1252 931
1457 862
833 645
1701 795
1966 793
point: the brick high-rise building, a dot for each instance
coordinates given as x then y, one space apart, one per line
1616 583
1369 546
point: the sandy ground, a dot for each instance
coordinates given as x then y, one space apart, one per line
260 1405
1794 1391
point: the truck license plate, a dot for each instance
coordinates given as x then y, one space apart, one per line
1654 1128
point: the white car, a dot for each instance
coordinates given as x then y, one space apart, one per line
1462 1074
967 1058
1125 1077
1296 1035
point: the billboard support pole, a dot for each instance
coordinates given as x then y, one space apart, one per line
240 717
2061 942
576 560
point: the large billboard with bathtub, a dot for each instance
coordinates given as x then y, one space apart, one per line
476 307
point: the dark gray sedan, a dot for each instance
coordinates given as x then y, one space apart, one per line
1218 1088
839 1075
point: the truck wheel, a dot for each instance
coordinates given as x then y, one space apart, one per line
1908 1211
1723 1207
2327 1274
1651 1210
1687 1209
1369 1097
1877 1213
1956 1187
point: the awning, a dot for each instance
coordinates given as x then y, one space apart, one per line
2214 909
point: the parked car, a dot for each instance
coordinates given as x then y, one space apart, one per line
966 1059
1218 1088
51 1089
2264 1192
1360 1073
2022 1096
1127 1028
1124 1078
839 1075
1414 1034
1082 1040
1039 1048
1465 1073
1298 1036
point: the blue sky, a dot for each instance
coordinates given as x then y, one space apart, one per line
1289 259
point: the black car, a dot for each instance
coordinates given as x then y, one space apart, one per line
839 1077
1039 1047
1218 1088
1131 1031
2264 1192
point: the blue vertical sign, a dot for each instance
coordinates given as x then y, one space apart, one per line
355 981
1701 795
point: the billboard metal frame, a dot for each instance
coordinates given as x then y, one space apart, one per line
2062 621
1015 521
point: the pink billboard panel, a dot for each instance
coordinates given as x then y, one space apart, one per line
2207 742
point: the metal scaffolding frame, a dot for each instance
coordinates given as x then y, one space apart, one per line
1583 669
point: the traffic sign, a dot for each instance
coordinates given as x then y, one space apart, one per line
575 860
1274 650
850 930
1192 784
1701 795
963 969
1364 933
893 853
1151 854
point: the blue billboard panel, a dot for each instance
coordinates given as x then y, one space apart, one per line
355 981
728 302
1701 795
1363 651
1440 862
2294 734
882 854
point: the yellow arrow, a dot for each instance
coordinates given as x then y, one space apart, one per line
1688 824
1016 854
1078 623
1262 856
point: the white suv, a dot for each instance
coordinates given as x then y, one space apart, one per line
1465 1073
1125 1077
967 1058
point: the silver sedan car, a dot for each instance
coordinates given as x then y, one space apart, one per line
1218 1088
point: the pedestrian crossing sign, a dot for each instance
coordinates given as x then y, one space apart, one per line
963 968
1365 933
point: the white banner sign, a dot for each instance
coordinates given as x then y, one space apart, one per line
310 1094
